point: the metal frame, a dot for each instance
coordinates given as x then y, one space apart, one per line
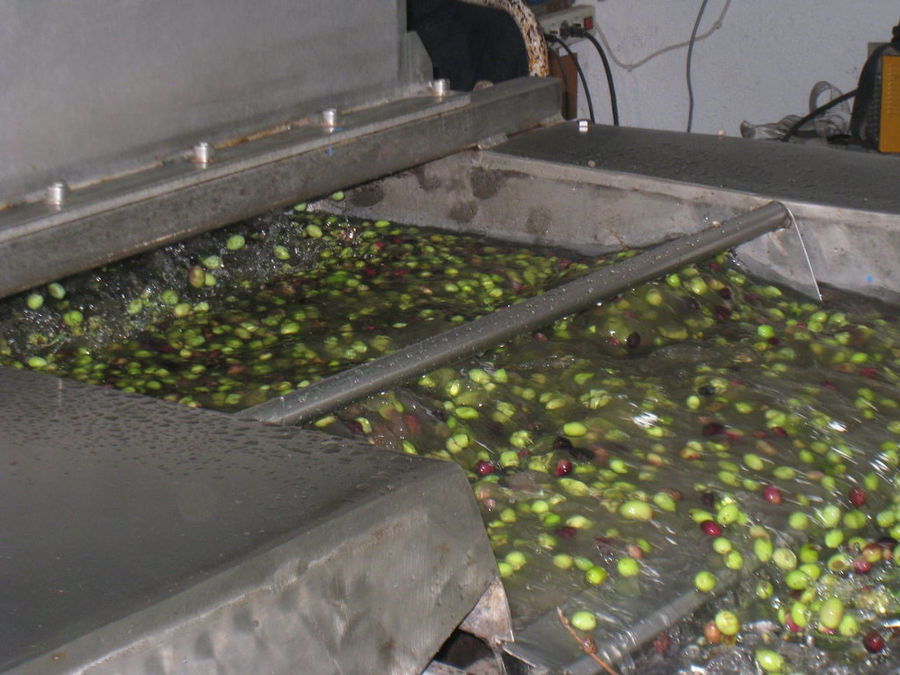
609 188
97 224
145 536
95 88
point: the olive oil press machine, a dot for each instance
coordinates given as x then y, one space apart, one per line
141 536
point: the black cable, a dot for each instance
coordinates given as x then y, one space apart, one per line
687 68
587 92
613 100
795 127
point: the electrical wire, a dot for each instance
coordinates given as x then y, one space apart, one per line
613 100
552 39
687 64
659 52
795 127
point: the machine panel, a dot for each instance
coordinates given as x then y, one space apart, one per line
92 89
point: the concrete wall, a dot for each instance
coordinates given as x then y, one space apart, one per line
759 66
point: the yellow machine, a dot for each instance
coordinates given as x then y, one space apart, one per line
889 127
876 110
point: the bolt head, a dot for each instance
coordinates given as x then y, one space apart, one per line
203 153
330 118
57 193
440 87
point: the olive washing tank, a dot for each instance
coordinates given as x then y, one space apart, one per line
171 155
599 188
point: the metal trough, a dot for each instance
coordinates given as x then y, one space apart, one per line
612 188
487 186
148 537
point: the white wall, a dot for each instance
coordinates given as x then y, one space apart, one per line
759 66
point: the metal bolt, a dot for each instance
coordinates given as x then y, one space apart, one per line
440 87
203 153
57 193
583 126
330 118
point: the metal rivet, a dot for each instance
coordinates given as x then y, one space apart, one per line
583 126
440 87
57 193
203 153
330 118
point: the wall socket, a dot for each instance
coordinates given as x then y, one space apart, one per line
555 23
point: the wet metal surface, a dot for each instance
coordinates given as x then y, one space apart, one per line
615 188
92 89
833 177
143 536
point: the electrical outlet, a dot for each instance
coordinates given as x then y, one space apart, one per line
557 23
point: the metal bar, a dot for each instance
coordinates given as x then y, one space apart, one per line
485 332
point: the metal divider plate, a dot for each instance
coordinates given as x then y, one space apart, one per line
143 536
616 187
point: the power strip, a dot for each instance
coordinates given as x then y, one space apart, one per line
557 23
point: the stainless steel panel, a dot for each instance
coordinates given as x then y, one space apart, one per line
95 87
142 536
840 178
612 187
97 224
